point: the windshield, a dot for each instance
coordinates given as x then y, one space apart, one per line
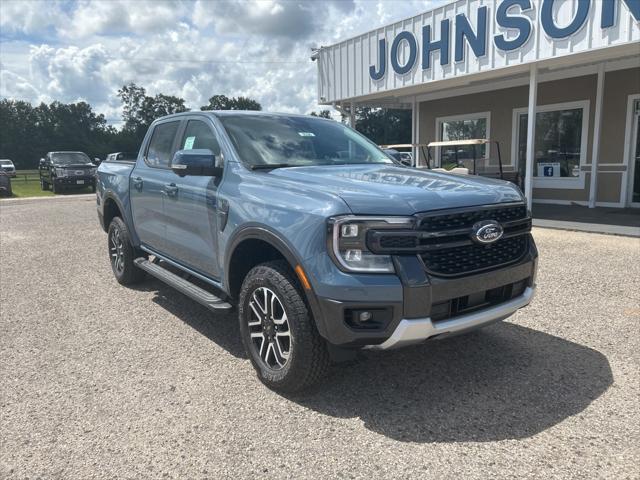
263 140
6 162
70 158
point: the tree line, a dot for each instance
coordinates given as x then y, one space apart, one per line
27 132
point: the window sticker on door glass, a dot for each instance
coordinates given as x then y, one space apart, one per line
188 143
306 134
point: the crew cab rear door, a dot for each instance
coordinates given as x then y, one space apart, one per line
190 206
148 185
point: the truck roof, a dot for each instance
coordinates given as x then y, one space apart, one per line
67 151
224 113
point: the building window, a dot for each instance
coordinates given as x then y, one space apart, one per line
560 144
462 127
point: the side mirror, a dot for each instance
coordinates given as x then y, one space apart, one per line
97 161
199 161
41 162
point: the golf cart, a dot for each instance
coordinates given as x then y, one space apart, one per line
460 157
456 154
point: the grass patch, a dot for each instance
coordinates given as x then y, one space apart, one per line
27 184
30 188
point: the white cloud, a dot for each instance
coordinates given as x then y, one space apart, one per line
193 50
119 17
30 17
71 73
13 85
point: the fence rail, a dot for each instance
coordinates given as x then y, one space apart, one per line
26 176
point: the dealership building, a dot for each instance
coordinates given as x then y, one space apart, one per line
555 86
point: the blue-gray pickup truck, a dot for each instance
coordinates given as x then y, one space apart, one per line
324 243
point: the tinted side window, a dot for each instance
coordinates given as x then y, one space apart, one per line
199 135
160 146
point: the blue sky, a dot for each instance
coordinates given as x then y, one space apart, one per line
87 49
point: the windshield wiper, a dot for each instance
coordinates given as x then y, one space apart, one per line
269 166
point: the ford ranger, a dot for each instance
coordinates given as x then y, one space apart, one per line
324 243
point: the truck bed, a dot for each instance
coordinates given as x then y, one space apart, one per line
113 182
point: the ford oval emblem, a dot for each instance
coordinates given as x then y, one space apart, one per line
486 232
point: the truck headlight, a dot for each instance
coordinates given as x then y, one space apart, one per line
347 238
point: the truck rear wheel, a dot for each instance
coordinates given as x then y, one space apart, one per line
122 254
277 330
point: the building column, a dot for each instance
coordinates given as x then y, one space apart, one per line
415 131
531 135
352 115
595 149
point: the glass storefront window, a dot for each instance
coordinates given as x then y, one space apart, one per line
462 129
558 143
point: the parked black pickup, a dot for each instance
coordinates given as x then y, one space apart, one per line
66 170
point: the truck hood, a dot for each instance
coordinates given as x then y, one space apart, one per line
75 165
394 190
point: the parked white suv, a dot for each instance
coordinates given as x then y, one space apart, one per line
8 167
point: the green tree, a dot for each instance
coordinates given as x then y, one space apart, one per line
29 132
132 98
222 102
384 126
140 110
322 114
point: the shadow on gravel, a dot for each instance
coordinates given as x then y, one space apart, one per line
220 327
504 382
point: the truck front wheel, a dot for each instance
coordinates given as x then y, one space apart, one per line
122 254
277 330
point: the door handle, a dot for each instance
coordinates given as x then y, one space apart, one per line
171 189
137 183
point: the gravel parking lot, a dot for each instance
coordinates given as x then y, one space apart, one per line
101 381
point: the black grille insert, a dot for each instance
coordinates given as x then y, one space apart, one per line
474 257
466 219
469 303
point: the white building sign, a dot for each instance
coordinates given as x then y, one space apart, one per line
471 36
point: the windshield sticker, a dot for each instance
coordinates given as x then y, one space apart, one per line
306 134
188 143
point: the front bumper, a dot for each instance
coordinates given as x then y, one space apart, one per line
87 181
410 331
412 305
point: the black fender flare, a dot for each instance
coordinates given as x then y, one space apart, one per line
261 232
110 195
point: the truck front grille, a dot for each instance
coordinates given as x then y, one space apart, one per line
466 219
449 251
473 258
445 240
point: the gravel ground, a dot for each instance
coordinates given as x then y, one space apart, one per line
102 381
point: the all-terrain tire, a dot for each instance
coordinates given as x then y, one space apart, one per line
122 254
308 359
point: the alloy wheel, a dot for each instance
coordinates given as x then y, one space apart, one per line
269 328
116 249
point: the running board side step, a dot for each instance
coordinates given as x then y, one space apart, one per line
184 286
